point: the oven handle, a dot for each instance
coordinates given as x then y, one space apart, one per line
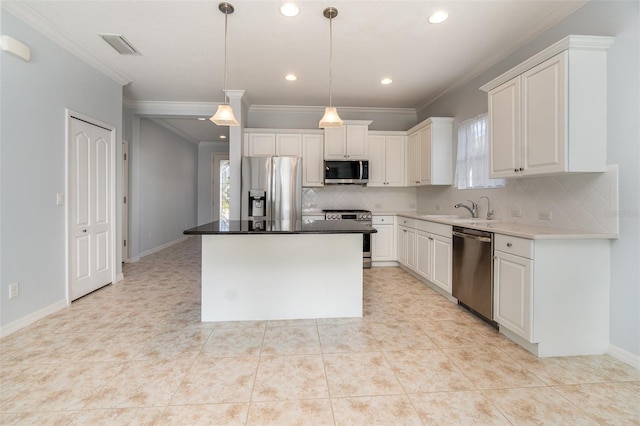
472 237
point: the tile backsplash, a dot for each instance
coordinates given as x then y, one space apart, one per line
585 201
359 197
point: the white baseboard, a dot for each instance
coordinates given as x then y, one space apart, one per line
120 277
14 326
132 259
162 247
625 356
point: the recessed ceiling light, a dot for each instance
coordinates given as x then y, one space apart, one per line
289 9
223 137
439 16
291 77
202 118
386 81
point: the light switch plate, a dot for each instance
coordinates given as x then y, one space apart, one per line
60 199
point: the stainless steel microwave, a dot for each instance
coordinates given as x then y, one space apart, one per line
346 172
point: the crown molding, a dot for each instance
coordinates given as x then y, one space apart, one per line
571 42
25 13
172 108
320 109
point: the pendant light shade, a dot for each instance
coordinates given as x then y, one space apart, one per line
224 115
330 117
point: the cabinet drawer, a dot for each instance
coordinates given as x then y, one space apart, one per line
434 228
382 220
405 221
514 245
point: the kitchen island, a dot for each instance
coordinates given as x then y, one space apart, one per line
277 270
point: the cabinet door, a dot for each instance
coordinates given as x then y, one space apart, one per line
442 254
402 245
512 301
377 161
413 160
356 141
424 169
335 143
544 117
289 145
312 160
424 248
394 160
382 243
262 145
504 129
411 248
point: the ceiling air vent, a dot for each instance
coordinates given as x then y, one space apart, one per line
120 44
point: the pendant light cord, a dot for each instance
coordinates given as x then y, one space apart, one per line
330 58
225 55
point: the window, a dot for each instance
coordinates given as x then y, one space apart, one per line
472 163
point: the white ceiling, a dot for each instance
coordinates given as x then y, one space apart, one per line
182 45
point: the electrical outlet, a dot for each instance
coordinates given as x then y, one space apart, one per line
438 207
14 290
412 206
544 214
59 199
377 206
516 212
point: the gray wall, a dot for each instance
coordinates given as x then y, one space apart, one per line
168 168
619 19
32 163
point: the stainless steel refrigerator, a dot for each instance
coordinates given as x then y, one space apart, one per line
271 188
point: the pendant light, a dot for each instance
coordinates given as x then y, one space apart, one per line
224 115
330 117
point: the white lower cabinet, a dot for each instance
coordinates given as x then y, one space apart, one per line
428 248
512 293
551 296
383 242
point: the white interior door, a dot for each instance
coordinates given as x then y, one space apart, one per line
90 184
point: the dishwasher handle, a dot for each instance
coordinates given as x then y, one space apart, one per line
472 237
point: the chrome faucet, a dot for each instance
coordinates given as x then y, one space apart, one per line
473 209
489 211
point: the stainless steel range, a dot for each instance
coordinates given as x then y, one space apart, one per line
362 216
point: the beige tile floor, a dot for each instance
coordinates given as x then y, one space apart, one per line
136 353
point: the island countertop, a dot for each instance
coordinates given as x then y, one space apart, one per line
235 227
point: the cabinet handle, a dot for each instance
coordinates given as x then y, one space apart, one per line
509 245
515 170
431 238
521 169
84 230
404 230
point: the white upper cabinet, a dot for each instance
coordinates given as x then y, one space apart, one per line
348 142
386 159
260 145
268 144
312 160
548 115
429 151
289 145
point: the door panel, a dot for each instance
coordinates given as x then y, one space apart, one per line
90 172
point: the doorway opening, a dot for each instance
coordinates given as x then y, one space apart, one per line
220 186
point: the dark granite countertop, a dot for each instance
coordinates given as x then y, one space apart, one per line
281 227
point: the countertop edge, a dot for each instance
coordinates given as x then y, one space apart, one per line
528 231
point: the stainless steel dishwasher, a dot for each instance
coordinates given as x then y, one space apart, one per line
473 271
